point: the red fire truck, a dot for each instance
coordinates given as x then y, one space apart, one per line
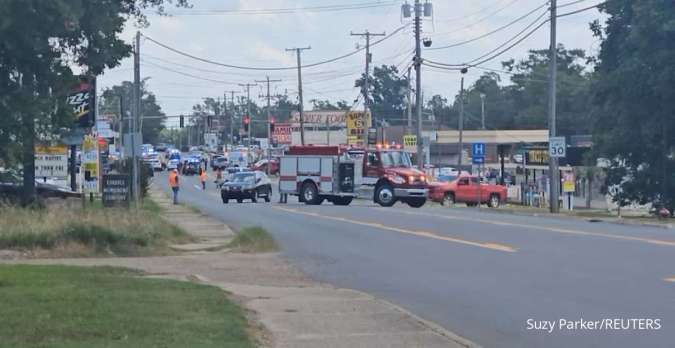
338 175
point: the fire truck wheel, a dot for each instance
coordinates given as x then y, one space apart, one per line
384 195
310 194
416 202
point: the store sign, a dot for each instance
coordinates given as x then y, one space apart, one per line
82 99
410 143
51 161
537 157
333 118
283 134
90 167
116 190
358 123
568 181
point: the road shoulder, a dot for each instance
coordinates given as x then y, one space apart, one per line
284 307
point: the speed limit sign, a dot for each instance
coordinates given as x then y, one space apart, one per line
557 147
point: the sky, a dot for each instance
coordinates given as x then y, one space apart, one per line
234 32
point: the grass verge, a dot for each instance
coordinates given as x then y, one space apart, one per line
60 231
60 306
253 240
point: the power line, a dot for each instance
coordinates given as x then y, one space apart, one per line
490 32
483 19
189 75
269 68
470 63
272 11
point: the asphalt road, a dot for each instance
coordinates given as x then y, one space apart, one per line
479 274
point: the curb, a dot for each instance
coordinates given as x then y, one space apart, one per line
617 221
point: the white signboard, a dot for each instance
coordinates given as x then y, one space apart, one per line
51 161
557 147
320 118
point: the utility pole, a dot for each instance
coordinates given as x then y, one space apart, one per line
301 107
366 83
269 120
554 174
418 82
136 117
482 111
409 101
231 124
248 111
460 148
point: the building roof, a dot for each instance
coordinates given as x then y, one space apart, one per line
494 136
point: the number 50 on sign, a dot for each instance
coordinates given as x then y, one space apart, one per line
557 147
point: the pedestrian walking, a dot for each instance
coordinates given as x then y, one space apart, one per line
174 184
202 178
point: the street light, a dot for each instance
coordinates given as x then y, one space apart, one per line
482 110
461 121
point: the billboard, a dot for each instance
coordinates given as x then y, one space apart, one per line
358 123
320 118
51 161
283 134
82 99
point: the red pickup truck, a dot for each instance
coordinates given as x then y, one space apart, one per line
467 189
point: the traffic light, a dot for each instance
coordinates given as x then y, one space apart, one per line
272 124
246 123
182 121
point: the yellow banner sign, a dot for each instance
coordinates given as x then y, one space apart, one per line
358 123
51 150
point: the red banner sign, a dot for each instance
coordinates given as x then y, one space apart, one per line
283 133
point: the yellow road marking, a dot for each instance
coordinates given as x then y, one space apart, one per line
426 234
670 280
539 227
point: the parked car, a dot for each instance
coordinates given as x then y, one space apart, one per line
263 163
247 185
467 189
11 187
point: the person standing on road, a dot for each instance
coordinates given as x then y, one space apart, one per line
202 178
174 184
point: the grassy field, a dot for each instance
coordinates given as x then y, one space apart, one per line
61 231
59 306
253 240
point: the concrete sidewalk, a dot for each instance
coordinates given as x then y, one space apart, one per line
286 308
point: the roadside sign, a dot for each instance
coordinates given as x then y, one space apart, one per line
372 136
478 160
569 182
358 123
410 142
115 190
51 161
557 147
90 164
478 150
283 133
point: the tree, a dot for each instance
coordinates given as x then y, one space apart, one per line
443 112
387 94
326 105
39 41
634 99
529 91
110 104
499 106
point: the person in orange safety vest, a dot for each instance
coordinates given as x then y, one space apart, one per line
174 184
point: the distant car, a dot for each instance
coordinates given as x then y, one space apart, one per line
218 162
173 164
191 166
247 185
467 189
262 166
